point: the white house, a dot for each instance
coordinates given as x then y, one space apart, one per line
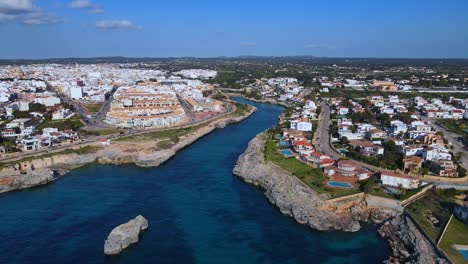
414 150
301 125
398 126
436 152
396 180
343 111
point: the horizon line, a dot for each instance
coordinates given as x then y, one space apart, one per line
231 57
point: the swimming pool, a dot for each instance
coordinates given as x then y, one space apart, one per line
346 185
283 143
463 249
464 253
287 152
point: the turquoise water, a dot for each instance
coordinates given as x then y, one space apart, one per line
286 152
464 253
198 213
340 184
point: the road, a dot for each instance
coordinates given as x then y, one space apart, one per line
452 138
322 139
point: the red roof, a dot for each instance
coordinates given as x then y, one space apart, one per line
316 153
303 143
327 161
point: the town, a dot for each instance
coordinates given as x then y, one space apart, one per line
402 138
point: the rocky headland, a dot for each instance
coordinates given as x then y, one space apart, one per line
124 235
144 153
306 206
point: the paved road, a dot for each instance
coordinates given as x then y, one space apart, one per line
322 138
452 138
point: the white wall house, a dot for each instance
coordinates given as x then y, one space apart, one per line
396 180
301 125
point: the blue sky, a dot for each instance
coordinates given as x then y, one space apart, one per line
203 28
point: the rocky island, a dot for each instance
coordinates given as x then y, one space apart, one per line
124 235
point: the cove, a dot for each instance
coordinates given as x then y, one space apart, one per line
198 213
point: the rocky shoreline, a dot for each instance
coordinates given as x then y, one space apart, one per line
306 206
41 171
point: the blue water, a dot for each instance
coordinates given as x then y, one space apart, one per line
464 253
286 152
198 213
283 143
340 184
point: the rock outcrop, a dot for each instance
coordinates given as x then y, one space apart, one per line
306 206
407 243
124 235
26 180
292 196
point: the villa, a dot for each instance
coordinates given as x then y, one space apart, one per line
396 180
348 170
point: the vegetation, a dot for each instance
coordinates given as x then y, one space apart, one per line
241 109
455 126
93 107
172 135
74 123
103 132
313 177
456 234
433 211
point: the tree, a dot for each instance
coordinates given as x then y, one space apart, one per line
344 141
385 120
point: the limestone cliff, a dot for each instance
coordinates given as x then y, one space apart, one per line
35 172
296 199
306 206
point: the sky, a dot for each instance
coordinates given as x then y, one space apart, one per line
34 29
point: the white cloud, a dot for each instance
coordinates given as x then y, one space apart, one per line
25 11
117 25
88 5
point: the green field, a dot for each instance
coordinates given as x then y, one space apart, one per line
170 135
313 177
456 234
74 123
93 108
241 109
455 126
104 132
431 205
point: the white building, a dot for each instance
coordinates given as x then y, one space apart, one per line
301 125
396 180
76 92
